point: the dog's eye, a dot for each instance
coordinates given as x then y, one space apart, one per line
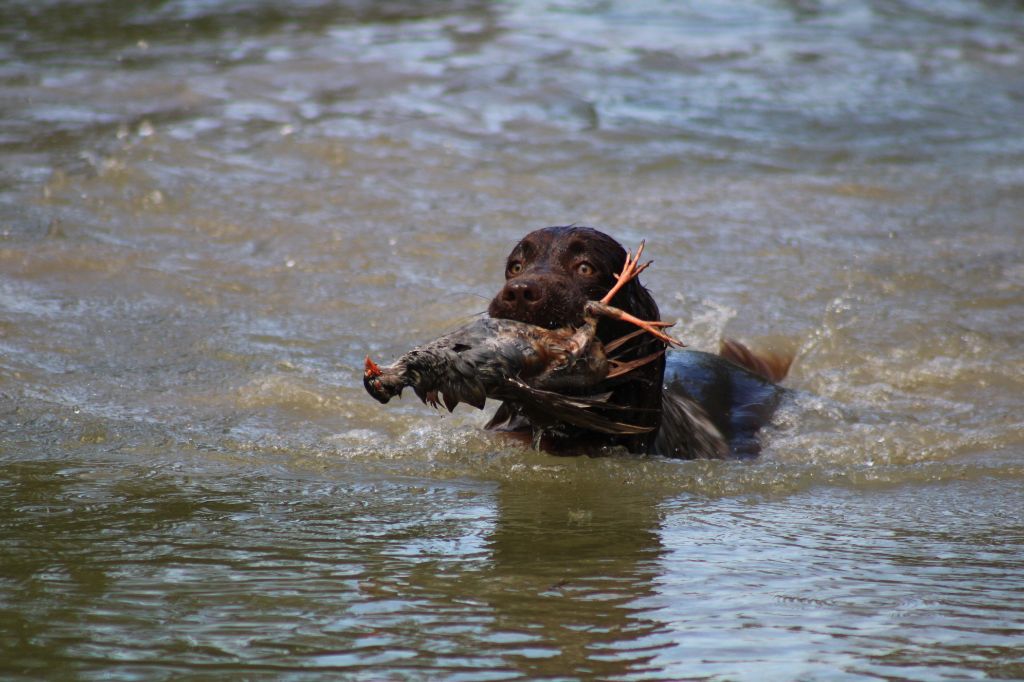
515 268
585 269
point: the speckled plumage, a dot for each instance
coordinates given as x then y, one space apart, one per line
506 360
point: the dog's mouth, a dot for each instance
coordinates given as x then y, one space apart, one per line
556 316
551 305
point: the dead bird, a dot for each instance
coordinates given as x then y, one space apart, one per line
545 372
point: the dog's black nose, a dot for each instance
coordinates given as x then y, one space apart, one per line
523 294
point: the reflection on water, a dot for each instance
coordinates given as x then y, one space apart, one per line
166 572
211 212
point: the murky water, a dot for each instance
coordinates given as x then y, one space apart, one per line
211 211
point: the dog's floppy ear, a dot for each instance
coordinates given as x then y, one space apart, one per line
633 297
640 301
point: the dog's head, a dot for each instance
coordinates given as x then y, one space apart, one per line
550 275
552 272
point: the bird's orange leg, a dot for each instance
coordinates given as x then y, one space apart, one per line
630 270
597 308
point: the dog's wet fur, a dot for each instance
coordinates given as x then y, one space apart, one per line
696 404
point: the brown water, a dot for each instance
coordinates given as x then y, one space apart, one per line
210 212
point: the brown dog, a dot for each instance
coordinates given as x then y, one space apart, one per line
696 404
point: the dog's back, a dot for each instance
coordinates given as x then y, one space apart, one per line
724 398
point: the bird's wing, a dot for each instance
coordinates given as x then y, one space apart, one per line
574 410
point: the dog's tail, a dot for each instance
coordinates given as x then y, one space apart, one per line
770 365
